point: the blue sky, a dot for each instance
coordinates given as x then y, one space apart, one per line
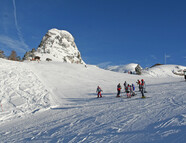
113 32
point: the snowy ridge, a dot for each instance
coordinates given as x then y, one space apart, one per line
157 71
76 115
123 68
164 70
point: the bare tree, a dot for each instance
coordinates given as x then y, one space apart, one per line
2 54
13 56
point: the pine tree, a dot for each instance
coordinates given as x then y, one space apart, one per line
29 55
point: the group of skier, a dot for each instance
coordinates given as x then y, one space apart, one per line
128 89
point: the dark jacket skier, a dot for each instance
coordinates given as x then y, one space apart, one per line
142 88
125 85
119 90
133 90
184 74
133 87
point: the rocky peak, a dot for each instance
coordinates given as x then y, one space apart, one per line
59 45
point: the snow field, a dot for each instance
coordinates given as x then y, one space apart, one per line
76 115
21 92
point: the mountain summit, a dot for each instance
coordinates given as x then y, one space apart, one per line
57 45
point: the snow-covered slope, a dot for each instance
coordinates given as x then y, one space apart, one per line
21 91
76 115
164 71
123 68
57 45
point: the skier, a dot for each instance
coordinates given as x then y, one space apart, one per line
133 87
99 90
142 81
142 88
118 89
184 71
133 90
125 85
128 91
139 84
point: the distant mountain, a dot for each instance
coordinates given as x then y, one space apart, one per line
123 68
165 71
158 64
57 45
157 70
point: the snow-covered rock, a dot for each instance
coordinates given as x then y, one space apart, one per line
123 68
58 45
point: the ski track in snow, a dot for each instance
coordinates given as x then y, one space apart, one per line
157 119
20 91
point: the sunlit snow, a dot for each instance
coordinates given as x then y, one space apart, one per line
56 102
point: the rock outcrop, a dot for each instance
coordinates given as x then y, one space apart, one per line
57 45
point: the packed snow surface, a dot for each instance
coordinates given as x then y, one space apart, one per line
21 91
56 102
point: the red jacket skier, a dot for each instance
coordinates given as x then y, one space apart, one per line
119 90
99 90
139 84
128 91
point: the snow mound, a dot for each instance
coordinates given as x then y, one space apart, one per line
21 92
123 68
165 71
